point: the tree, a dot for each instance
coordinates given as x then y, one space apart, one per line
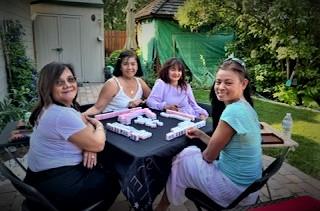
277 38
115 14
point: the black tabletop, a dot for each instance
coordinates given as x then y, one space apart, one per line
156 144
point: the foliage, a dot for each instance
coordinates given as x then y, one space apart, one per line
115 14
286 94
14 108
149 75
112 59
21 76
276 38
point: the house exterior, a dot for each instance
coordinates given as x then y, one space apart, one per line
69 31
160 37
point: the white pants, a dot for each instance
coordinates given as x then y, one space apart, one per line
190 170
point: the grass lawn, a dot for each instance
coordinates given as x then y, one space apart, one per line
306 131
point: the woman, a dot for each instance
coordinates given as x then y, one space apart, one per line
236 140
171 91
64 144
124 90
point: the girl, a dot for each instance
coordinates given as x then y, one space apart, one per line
236 140
171 91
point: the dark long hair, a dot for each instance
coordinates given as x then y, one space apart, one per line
49 74
164 72
219 106
127 54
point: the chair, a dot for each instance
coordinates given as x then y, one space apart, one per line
34 200
202 201
85 107
206 107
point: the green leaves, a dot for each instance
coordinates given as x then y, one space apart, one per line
275 37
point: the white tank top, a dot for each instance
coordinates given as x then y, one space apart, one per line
121 100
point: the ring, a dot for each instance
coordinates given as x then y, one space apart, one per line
92 157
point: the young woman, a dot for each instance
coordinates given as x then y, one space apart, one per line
124 90
236 140
63 146
171 91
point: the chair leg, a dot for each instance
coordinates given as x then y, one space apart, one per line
198 206
269 192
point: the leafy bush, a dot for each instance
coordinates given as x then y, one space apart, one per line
112 59
285 94
21 76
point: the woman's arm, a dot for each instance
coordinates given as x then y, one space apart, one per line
197 133
220 138
145 88
192 101
92 138
155 99
108 91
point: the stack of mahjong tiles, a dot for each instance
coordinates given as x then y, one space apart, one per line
128 131
182 127
125 116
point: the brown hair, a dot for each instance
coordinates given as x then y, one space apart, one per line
127 54
164 72
49 74
219 106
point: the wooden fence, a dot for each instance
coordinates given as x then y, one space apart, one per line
114 40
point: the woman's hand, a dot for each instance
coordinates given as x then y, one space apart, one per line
135 103
89 159
95 123
203 117
194 133
171 107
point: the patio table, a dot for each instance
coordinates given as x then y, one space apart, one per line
144 166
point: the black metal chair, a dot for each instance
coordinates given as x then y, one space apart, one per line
34 200
202 201
84 107
207 107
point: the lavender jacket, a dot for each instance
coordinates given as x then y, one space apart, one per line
163 94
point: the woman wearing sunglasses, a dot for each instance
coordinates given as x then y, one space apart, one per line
63 146
236 141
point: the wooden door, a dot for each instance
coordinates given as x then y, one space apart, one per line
58 38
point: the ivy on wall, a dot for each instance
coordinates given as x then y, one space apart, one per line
21 76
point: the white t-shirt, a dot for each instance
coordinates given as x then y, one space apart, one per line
49 144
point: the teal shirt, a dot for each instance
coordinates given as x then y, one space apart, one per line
241 159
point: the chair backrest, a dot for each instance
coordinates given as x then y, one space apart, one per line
85 107
206 107
30 193
259 183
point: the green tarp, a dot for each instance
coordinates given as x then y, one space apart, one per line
200 52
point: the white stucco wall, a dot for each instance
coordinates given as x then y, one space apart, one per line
15 10
145 34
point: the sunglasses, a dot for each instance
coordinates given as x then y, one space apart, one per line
236 60
70 80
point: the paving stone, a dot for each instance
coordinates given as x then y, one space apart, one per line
7 198
293 178
274 183
294 188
